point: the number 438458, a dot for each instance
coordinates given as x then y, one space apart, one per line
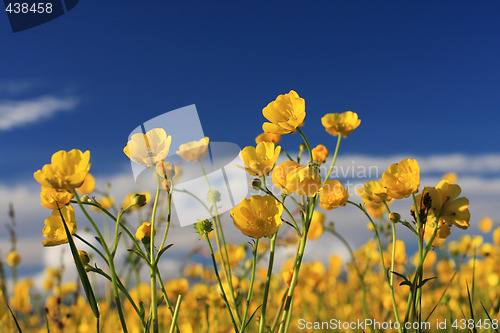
25 8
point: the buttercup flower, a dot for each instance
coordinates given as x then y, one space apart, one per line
88 185
485 225
304 180
340 123
332 195
52 198
21 300
320 153
260 160
401 179
442 233
373 191
317 225
257 217
285 114
67 170
376 210
281 172
13 258
150 148
143 231
268 137
194 150
54 228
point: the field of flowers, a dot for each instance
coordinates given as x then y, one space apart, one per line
444 286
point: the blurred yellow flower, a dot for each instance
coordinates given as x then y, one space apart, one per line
451 177
496 235
194 270
257 217
194 150
285 114
401 179
375 209
67 170
88 185
320 153
143 231
54 228
317 225
21 296
52 198
281 171
176 287
304 180
332 195
268 137
373 191
260 160
400 254
105 202
341 123
485 225
150 148
235 253
13 258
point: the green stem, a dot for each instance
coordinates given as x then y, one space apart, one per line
250 289
262 323
154 302
176 314
334 159
306 142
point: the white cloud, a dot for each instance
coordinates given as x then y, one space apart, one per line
18 113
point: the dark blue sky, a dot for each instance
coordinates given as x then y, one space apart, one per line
423 76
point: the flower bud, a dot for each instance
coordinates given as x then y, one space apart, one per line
85 198
13 258
84 256
213 196
302 148
256 184
138 200
394 217
203 227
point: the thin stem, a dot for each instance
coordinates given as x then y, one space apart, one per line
262 323
250 289
176 314
306 142
154 305
334 159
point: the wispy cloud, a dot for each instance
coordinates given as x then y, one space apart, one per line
18 113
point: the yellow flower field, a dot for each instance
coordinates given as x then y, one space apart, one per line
423 284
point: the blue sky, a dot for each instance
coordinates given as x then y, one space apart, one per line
423 76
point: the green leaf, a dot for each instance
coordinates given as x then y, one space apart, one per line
15 320
163 251
81 270
425 281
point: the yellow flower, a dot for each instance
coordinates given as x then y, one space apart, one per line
52 198
105 202
176 287
88 185
401 179
317 225
194 150
268 137
257 217
281 172
143 231
320 153
304 180
332 195
150 148
21 300
134 196
13 258
373 191
54 228
453 210
442 233
485 225
260 160
400 254
376 210
341 123
67 170
496 235
285 114
235 254
451 177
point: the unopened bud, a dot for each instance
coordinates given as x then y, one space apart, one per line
84 256
213 196
256 184
85 198
394 217
138 200
203 227
302 148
